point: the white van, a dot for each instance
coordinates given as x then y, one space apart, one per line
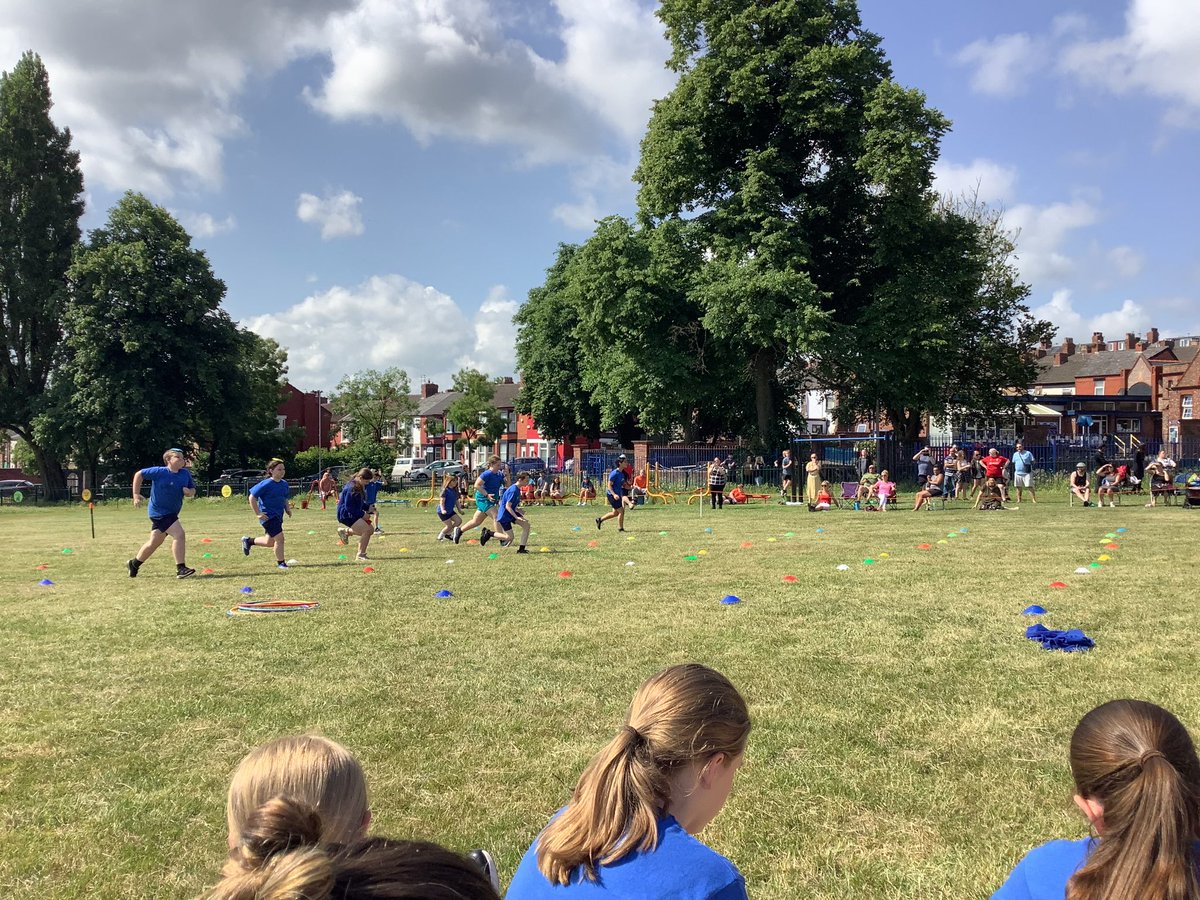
404 465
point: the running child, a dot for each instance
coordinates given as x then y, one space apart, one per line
269 500
615 495
352 512
447 508
510 514
169 484
488 487
372 489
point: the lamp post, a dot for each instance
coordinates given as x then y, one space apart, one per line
319 441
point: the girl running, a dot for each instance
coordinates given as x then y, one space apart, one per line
488 487
269 500
447 508
1137 782
509 515
629 828
352 512
169 484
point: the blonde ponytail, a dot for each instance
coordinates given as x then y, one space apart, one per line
684 714
278 857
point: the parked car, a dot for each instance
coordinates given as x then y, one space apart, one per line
239 478
405 465
10 486
534 465
440 468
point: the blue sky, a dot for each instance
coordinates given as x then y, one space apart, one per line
380 182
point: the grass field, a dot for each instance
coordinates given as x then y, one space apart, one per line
908 742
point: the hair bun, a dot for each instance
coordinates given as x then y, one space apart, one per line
278 826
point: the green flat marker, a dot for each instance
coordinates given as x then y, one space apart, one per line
341 556
206 556
952 534
493 555
68 551
868 562
1094 565
662 534
790 534
312 532
1110 535
691 557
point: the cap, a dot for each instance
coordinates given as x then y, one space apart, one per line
1081 465
622 456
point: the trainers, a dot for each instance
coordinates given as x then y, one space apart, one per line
247 543
362 557
507 543
487 865
522 549
184 572
133 565
456 534
598 523
378 530
282 565
342 532
485 536
441 537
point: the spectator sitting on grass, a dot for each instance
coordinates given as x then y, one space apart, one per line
1137 782
824 499
991 496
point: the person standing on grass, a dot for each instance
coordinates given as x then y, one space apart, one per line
327 487
717 473
1023 472
812 481
509 515
352 512
169 484
488 487
372 490
618 487
785 474
629 829
447 508
924 460
1137 782
269 501
993 467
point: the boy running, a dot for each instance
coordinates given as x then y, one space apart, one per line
615 494
269 500
509 515
488 487
169 484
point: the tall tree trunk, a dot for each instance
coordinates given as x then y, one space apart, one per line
764 400
50 468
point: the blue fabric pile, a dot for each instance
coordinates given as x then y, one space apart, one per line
1069 641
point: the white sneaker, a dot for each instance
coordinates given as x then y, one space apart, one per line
362 557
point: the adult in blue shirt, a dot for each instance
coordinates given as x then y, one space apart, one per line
618 487
1022 463
628 832
1137 781
488 487
169 484
269 501
510 514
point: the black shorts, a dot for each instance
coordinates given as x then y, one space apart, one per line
352 522
273 526
614 501
446 517
163 523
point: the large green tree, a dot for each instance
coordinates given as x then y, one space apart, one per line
373 400
41 200
150 360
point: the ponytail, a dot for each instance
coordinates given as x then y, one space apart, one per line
1139 763
360 479
682 715
278 856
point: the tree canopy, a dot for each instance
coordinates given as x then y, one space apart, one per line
373 400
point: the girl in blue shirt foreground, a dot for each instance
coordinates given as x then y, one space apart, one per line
269 501
1137 781
447 508
628 830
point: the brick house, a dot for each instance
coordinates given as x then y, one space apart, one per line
307 411
1181 399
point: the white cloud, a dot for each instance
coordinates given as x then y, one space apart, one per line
1042 233
1159 53
994 182
600 185
1127 261
204 225
1113 324
339 215
1004 64
386 321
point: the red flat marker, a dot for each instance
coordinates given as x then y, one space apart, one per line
564 574
790 579
924 546
1057 584
368 568
1112 546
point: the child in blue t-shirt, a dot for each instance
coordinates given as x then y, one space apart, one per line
169 484
618 487
447 508
269 501
1137 781
352 512
510 514
488 487
619 837
372 488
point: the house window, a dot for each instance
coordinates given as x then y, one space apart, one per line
1173 434
1129 426
1098 387
1186 401
280 423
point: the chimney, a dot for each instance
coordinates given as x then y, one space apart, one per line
428 389
1098 341
1139 345
1060 358
1130 340
1152 336
1068 347
507 379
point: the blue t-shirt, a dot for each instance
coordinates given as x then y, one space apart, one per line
679 868
512 495
272 497
616 482
449 500
493 482
1044 871
371 488
166 490
351 506
1023 462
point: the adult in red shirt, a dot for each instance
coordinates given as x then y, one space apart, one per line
993 467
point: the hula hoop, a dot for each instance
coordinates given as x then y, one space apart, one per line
273 606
